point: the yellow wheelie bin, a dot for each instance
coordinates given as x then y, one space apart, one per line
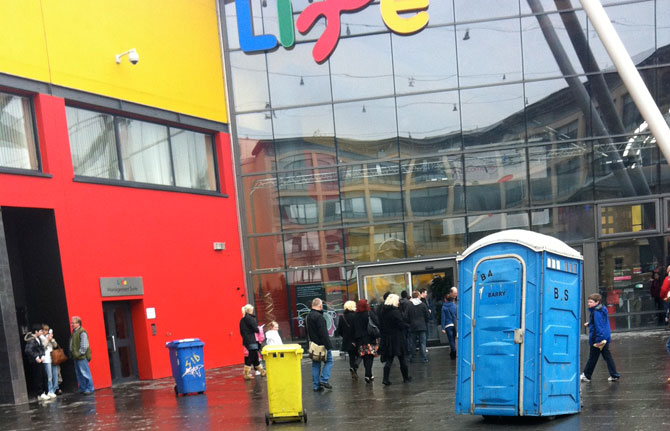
284 379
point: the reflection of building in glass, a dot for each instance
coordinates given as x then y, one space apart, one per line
406 147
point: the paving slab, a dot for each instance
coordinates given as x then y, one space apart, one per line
639 401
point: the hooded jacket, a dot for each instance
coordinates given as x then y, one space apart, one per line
599 325
34 348
417 315
449 314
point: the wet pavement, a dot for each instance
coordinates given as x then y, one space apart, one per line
639 401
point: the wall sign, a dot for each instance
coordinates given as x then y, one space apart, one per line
121 286
400 16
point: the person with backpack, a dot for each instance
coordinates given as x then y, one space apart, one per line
367 343
35 354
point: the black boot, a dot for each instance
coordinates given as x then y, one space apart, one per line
386 380
405 374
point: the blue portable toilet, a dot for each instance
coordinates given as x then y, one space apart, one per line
518 326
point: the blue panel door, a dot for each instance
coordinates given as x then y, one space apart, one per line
497 314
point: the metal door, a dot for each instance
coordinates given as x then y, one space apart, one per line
498 328
120 341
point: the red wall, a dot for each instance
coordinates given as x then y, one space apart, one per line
164 237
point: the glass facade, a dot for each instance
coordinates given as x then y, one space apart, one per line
400 147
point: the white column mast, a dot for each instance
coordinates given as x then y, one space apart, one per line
629 74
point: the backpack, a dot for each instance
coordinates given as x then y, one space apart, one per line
373 330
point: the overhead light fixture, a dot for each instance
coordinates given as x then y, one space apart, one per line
302 81
363 110
467 34
411 81
348 32
133 56
455 108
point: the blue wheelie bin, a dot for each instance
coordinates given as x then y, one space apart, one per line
188 368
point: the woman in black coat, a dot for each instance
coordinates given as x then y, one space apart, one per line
345 329
366 344
393 343
248 331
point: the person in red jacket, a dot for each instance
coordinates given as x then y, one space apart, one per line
665 296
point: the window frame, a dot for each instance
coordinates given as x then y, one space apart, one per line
38 171
217 191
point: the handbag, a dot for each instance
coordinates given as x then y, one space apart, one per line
373 330
58 356
317 352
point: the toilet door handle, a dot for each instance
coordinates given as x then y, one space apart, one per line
114 342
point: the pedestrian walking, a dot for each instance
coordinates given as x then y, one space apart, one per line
599 340
393 343
367 344
418 316
345 329
81 354
34 351
449 319
317 333
249 331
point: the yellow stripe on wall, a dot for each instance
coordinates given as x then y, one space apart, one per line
72 43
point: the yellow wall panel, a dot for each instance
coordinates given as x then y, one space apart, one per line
22 41
180 67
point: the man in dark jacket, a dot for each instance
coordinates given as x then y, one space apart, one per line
418 315
317 332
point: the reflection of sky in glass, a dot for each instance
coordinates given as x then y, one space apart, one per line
250 82
377 122
428 115
538 60
296 79
492 54
314 121
484 107
416 65
662 23
361 67
467 10
634 23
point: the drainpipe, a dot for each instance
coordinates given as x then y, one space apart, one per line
629 74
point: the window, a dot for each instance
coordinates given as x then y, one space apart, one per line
627 218
149 153
18 147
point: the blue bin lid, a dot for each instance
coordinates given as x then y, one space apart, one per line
184 342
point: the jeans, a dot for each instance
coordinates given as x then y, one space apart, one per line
594 354
421 337
451 334
52 376
83 374
322 375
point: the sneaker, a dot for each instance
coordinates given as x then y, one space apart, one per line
51 395
319 389
354 373
583 378
407 380
258 373
369 380
613 378
59 392
325 385
43 397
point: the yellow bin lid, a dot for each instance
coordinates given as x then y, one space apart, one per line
283 348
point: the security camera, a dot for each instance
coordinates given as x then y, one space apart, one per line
133 56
